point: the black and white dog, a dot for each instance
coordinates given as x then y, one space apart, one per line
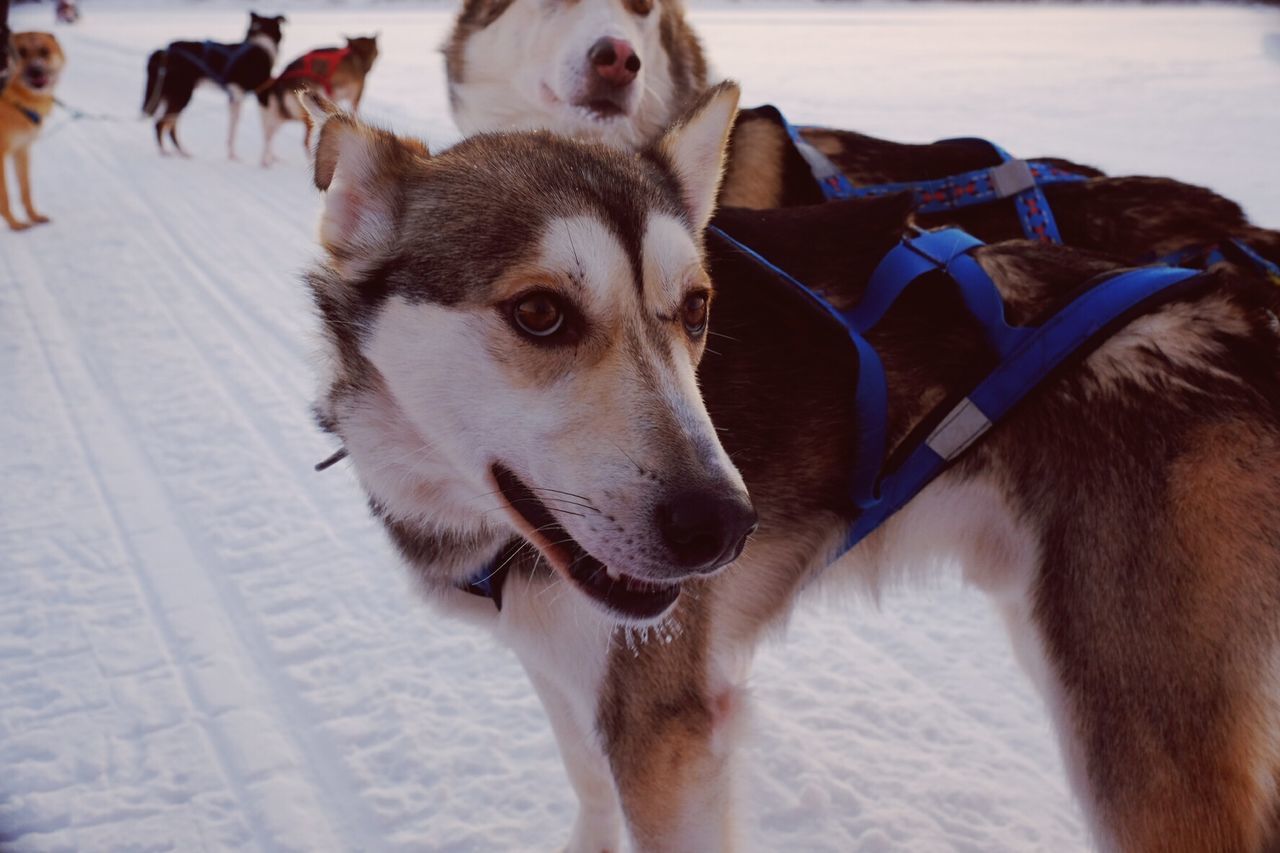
172 74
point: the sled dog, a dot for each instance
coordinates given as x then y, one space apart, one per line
174 72
515 385
25 102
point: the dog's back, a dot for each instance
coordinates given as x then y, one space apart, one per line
1124 517
1140 219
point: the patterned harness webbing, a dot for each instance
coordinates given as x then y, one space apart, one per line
1020 179
317 66
1013 178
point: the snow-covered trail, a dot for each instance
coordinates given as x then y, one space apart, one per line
205 645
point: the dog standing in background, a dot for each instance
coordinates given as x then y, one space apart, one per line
173 73
25 102
339 72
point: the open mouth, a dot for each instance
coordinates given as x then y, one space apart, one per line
37 79
619 593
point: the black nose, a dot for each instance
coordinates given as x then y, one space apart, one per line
705 530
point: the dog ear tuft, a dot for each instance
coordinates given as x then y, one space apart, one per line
361 171
694 148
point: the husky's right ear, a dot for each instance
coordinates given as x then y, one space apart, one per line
360 169
694 148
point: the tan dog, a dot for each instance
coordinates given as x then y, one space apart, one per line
339 72
25 103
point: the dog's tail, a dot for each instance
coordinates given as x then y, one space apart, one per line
156 66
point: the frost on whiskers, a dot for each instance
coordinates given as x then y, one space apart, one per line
662 633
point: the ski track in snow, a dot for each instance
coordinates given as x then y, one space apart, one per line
206 646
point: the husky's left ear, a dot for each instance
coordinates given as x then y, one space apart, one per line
694 149
361 171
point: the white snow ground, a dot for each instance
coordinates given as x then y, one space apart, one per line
206 646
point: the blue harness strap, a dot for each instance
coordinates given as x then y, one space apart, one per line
230 54
488 580
27 113
1203 257
1027 355
1013 178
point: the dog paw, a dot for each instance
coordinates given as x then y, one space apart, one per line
19 226
39 219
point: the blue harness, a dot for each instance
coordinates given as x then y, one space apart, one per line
230 54
1013 178
1027 355
30 115
1203 257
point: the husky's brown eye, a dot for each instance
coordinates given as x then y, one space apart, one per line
538 314
694 313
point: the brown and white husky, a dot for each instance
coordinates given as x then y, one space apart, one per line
521 64
508 374
614 70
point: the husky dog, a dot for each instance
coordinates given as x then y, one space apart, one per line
614 70
515 385
498 81
339 72
173 73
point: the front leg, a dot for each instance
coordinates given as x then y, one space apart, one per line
598 828
670 726
563 642
237 99
5 212
22 165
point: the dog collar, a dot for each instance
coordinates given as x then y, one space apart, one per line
486 581
30 114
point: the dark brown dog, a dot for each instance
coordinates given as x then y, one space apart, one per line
1134 218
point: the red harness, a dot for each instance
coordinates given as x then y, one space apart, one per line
318 67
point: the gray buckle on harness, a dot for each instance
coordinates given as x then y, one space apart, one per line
819 163
964 425
1011 177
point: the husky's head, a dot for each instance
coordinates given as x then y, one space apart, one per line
265 27
617 71
515 324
